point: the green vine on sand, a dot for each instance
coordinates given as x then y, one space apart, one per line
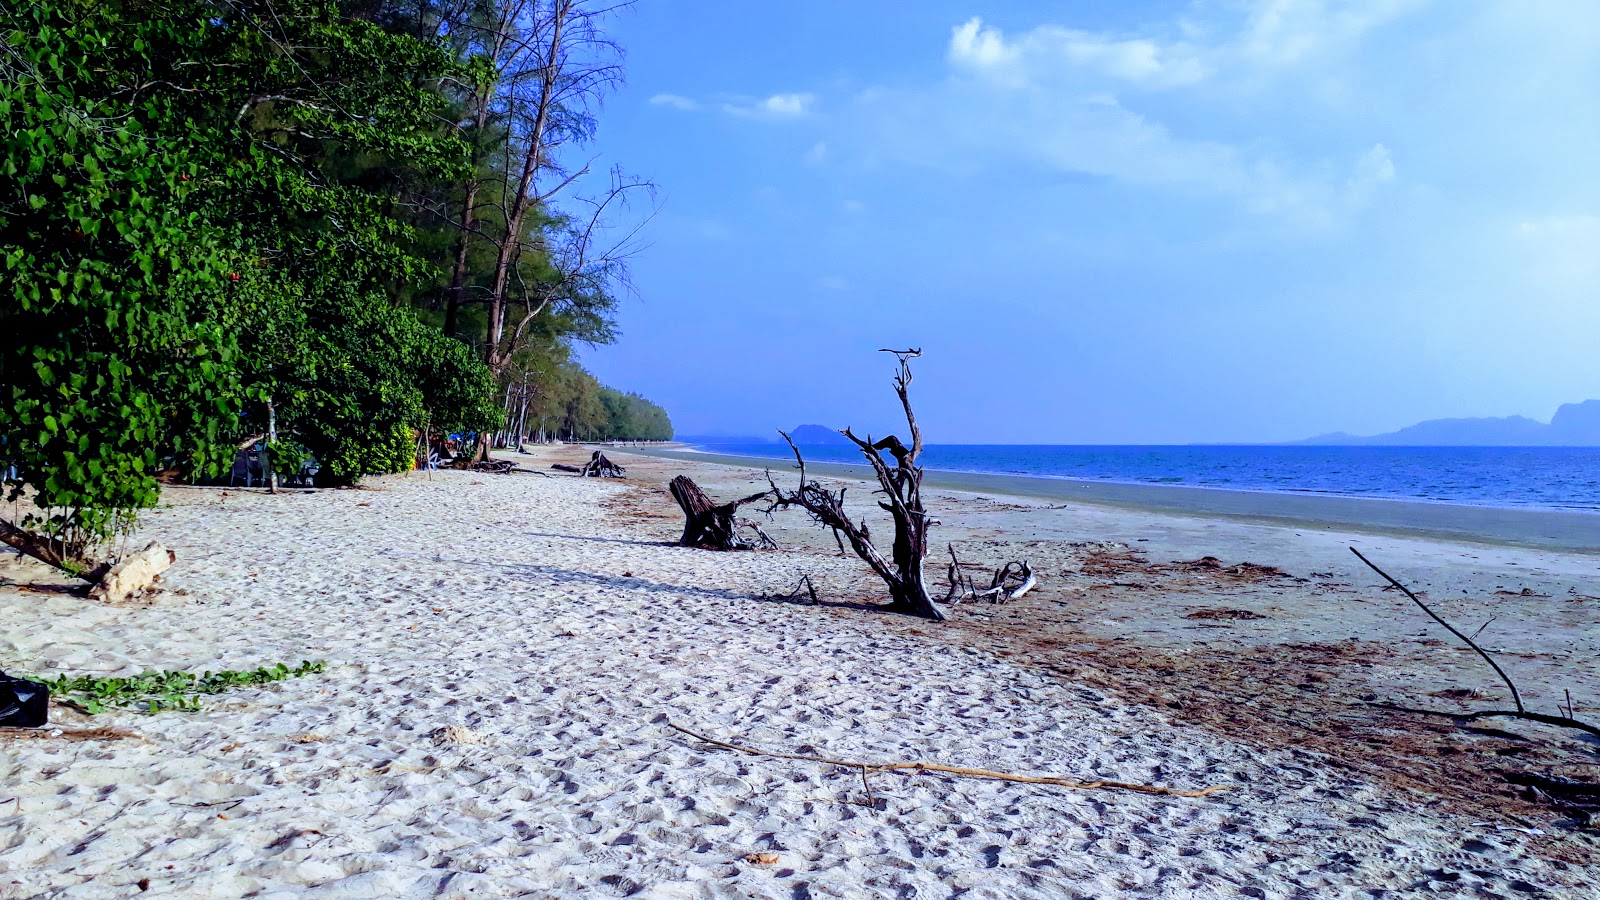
153 692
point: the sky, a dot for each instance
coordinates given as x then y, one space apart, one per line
1131 222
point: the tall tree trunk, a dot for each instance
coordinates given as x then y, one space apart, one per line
458 276
494 355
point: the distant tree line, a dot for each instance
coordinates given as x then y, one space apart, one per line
355 211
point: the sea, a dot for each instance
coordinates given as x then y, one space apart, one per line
1544 477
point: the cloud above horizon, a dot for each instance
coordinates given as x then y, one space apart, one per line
794 105
1386 209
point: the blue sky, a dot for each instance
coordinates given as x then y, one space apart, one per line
1210 220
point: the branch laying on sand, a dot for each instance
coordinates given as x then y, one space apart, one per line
1521 711
918 766
1010 582
59 733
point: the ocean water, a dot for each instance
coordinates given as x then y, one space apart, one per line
1557 477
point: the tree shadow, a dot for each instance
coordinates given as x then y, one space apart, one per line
633 582
600 540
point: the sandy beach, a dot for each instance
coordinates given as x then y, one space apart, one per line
505 653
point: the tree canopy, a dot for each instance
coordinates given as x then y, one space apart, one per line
207 205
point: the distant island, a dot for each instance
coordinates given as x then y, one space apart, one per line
1574 425
817 436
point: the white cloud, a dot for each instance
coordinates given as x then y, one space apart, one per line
1286 32
777 106
1269 36
818 154
981 128
1375 168
1106 103
1048 50
980 48
674 101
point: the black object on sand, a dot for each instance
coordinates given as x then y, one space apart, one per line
23 703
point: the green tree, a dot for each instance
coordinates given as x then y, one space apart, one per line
107 363
203 208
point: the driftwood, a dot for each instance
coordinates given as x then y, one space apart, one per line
495 466
900 485
715 526
133 574
1521 712
919 766
1581 798
1010 582
597 467
805 588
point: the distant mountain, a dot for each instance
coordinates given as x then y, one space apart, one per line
817 435
1574 425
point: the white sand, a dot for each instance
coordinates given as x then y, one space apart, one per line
554 637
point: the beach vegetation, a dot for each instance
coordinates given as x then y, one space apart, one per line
152 692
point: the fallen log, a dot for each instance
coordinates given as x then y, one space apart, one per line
133 574
715 526
62 556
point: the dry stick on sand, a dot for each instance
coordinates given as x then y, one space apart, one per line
1010 582
1521 712
918 766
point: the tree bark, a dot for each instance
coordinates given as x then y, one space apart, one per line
710 525
521 200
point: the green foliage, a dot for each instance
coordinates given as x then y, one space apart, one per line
153 692
205 205
106 364
195 217
630 417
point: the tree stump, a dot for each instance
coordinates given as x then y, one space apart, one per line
713 526
600 467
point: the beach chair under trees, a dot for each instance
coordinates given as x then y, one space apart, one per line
241 470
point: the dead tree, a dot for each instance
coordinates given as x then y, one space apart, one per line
113 580
1010 582
715 526
901 487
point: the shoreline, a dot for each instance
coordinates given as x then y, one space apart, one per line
1565 530
492 719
